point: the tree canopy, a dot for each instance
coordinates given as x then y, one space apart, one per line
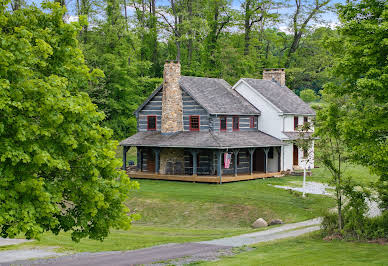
57 163
361 54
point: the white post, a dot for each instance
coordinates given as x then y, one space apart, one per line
304 177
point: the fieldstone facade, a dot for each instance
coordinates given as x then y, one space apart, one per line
172 161
276 74
172 106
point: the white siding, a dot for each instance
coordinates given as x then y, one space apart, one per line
273 122
269 121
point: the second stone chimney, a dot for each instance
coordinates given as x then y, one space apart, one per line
172 106
275 74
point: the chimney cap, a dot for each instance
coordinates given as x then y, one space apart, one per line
274 69
172 61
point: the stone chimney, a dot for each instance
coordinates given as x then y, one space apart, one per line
275 74
172 106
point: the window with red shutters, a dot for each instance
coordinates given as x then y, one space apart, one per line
296 122
151 122
223 123
236 123
252 122
194 123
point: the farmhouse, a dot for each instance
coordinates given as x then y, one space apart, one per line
203 129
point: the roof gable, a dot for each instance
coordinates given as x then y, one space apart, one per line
280 96
214 95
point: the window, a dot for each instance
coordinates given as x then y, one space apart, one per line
305 120
151 122
236 123
223 123
194 123
296 122
270 153
252 122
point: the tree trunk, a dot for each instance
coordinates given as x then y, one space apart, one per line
190 32
247 27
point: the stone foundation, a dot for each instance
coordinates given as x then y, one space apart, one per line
172 161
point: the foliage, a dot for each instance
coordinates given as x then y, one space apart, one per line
332 151
361 54
308 95
58 170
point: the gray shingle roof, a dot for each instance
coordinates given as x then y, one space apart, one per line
280 96
216 96
297 135
206 139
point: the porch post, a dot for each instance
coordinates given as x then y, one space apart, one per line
235 153
219 169
279 151
138 156
251 151
125 149
266 150
194 153
157 152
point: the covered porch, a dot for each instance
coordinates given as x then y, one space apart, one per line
205 165
202 179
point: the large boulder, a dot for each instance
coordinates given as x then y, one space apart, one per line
259 223
276 221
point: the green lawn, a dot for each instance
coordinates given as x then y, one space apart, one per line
231 205
175 212
356 172
309 250
137 237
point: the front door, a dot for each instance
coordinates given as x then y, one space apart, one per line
258 160
150 161
295 155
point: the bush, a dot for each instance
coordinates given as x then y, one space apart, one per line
356 224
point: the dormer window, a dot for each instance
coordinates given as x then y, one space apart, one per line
296 122
252 122
236 123
223 123
194 123
151 122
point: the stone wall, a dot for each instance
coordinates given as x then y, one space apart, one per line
172 106
277 74
172 161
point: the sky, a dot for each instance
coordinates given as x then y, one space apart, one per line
329 18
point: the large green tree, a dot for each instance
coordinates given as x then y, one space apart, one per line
58 170
361 61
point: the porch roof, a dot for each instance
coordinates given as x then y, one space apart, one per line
203 139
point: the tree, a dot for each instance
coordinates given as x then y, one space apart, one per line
58 170
308 95
331 146
254 12
361 53
302 16
305 142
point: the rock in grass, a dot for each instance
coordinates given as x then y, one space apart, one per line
259 223
276 221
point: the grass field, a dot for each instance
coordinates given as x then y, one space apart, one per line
231 205
137 237
309 250
175 212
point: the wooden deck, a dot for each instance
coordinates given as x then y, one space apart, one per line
203 179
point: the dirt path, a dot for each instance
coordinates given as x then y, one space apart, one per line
206 250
